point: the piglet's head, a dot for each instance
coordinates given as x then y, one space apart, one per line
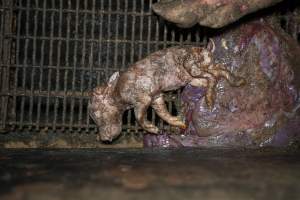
204 56
104 111
199 58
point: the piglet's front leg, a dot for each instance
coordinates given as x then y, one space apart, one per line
210 89
220 71
207 81
211 75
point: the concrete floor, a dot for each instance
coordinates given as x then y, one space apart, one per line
150 173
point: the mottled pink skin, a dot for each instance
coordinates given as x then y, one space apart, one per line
262 113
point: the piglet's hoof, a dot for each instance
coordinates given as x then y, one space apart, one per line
152 129
181 125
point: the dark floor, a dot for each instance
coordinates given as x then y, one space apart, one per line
148 174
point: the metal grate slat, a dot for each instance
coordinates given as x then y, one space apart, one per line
7 28
91 58
41 80
82 63
2 124
66 74
74 68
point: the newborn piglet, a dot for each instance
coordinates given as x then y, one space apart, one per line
144 82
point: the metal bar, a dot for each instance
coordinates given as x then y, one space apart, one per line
112 12
189 37
91 58
45 126
2 124
141 29
67 64
33 70
165 36
100 41
116 37
198 36
83 53
1 37
39 93
41 67
74 63
157 35
132 50
137 41
16 75
25 61
149 29
60 68
57 86
50 63
107 63
5 60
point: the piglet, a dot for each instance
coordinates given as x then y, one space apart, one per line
143 84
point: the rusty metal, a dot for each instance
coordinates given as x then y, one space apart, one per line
63 49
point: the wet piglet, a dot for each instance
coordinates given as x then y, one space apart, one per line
144 82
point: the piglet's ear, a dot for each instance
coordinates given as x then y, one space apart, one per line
211 45
112 82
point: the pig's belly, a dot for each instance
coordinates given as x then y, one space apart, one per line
173 82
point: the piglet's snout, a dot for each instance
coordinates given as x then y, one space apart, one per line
105 137
110 133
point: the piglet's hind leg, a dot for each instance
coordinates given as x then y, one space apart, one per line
140 111
160 108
